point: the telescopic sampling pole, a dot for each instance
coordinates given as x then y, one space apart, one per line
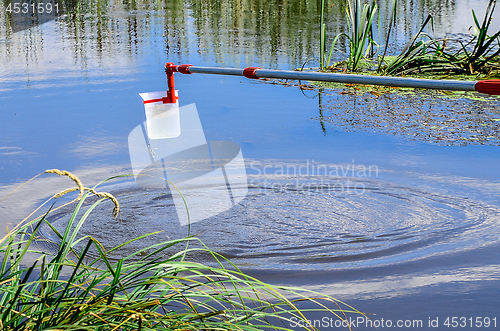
484 86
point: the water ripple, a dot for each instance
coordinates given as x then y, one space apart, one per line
310 222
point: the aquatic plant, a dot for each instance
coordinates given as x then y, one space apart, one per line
392 22
486 47
322 37
426 54
67 288
420 54
360 18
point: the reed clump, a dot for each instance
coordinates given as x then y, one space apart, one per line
480 55
424 54
67 289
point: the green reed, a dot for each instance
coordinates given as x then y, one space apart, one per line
360 18
484 49
424 54
70 289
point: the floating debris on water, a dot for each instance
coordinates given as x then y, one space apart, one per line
417 116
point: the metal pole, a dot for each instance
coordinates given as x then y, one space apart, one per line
216 71
485 86
370 80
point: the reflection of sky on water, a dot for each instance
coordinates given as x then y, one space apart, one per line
401 285
69 99
93 146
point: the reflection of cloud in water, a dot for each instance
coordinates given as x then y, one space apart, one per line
418 116
98 145
401 285
7 150
468 182
58 70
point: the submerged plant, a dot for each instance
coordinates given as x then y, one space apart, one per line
69 289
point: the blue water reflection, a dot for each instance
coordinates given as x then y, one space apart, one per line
427 223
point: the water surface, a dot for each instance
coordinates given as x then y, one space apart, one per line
388 201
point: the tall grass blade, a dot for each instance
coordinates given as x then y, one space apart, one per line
392 22
322 36
430 56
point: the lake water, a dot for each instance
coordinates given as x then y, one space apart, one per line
386 200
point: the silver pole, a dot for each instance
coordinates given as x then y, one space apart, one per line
455 85
370 80
216 71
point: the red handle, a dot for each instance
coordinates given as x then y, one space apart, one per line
491 86
170 68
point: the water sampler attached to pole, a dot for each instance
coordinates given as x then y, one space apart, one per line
169 151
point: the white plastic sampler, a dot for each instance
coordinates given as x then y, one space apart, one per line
162 119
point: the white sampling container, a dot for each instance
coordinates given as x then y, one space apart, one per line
162 119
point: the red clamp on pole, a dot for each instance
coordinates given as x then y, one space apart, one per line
250 72
170 68
184 69
491 86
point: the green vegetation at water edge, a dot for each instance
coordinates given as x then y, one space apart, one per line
68 288
480 55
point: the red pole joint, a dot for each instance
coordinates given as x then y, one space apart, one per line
250 72
170 68
491 86
184 69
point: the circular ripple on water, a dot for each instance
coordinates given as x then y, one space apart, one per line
306 223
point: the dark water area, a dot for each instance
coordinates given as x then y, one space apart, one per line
387 200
